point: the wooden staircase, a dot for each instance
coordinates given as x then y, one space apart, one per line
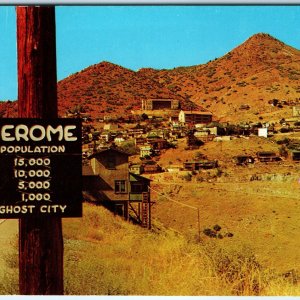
145 210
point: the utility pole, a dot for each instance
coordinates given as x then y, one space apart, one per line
40 238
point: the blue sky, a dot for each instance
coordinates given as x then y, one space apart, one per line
147 36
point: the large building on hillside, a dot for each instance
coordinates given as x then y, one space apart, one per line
194 117
158 104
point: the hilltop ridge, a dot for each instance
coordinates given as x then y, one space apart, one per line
254 73
251 75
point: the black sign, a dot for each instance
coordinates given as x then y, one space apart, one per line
40 168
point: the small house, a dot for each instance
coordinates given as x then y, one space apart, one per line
151 167
146 151
204 135
296 155
111 166
154 135
107 180
267 156
119 139
136 132
159 144
263 132
105 136
198 165
140 141
296 111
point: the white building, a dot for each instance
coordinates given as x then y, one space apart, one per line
263 132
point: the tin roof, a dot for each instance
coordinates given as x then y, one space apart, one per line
139 177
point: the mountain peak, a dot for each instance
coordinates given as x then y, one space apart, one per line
262 49
264 39
251 73
261 41
262 36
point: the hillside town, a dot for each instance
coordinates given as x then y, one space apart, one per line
121 154
181 181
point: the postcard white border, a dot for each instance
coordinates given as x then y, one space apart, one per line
150 2
145 2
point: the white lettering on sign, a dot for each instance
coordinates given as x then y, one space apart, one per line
30 149
6 135
22 132
25 209
40 161
36 133
69 135
10 209
52 208
56 130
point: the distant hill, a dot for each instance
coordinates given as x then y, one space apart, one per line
256 80
256 72
106 88
8 109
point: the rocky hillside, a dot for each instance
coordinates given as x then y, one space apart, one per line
258 80
106 88
244 83
8 109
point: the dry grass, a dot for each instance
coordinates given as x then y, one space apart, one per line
262 213
9 277
113 257
256 213
106 256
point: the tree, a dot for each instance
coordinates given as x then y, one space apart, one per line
129 147
283 151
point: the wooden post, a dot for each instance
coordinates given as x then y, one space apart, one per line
37 91
126 210
40 238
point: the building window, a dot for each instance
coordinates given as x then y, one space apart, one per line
120 186
137 187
